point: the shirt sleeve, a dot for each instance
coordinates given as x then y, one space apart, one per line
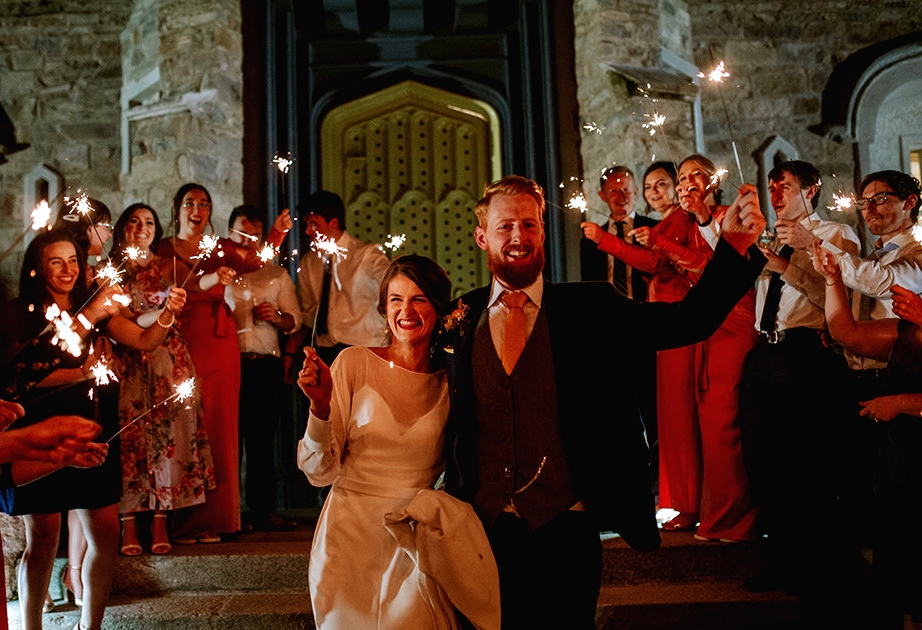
320 450
875 278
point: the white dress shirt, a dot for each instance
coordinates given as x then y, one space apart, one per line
803 294
352 315
270 284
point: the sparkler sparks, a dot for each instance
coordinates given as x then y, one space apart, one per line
283 163
592 127
64 334
249 237
41 214
267 252
110 273
717 177
578 202
183 391
717 75
657 120
395 241
841 203
327 247
102 373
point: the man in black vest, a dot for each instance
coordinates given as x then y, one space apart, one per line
546 461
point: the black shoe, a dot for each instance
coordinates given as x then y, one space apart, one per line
272 522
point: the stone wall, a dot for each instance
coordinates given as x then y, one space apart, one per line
60 76
187 122
64 66
780 54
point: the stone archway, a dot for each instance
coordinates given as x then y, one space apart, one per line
874 100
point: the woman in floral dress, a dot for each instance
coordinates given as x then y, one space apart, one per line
166 460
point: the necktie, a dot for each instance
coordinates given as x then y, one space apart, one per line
773 295
619 267
514 331
320 328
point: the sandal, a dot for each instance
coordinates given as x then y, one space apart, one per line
48 605
209 537
681 522
160 548
69 586
129 548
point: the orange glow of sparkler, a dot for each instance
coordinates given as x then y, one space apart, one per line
717 75
41 214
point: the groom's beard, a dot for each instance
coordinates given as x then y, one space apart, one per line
514 273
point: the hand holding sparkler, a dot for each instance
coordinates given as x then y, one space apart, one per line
794 234
206 246
58 439
645 235
94 455
314 380
592 231
743 223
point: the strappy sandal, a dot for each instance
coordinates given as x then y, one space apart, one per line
69 586
160 548
129 548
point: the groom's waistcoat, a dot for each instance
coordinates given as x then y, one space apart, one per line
519 431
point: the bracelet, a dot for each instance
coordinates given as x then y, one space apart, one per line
172 318
706 223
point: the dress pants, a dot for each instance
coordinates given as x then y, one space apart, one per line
791 403
549 577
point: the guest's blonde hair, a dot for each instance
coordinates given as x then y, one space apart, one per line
512 185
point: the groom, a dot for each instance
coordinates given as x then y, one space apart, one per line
546 459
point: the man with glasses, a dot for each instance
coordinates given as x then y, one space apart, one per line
889 204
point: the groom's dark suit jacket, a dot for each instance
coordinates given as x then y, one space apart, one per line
603 436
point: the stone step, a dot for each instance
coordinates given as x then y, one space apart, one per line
259 580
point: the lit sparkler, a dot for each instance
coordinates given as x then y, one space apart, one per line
206 246
65 335
41 214
283 163
395 241
267 252
578 202
717 76
111 273
249 237
183 391
592 127
841 203
656 120
327 248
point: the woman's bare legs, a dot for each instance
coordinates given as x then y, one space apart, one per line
35 568
101 526
76 551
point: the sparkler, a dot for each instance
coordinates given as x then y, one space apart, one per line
656 121
81 206
250 237
183 391
395 241
206 246
65 336
327 248
841 203
267 253
102 374
717 76
577 200
41 215
593 127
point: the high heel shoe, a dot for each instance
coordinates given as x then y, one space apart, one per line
129 548
69 584
48 605
162 547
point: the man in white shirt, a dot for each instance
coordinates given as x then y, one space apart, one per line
264 305
338 291
789 408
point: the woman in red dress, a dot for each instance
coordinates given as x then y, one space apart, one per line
207 324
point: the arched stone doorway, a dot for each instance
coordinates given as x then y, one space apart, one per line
411 160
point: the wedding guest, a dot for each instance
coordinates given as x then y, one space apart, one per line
207 324
166 460
264 304
53 275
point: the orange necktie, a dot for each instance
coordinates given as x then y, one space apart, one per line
514 333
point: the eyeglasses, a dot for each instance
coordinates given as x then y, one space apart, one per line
877 200
188 205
